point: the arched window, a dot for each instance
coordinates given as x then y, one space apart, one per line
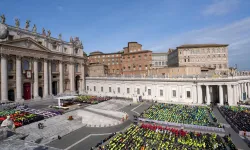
53 67
10 65
40 67
26 65
76 68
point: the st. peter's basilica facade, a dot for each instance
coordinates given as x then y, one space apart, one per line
35 65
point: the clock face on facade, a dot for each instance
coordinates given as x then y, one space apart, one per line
28 74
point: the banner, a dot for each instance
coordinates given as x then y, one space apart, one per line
214 129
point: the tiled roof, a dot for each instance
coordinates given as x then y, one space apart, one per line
202 45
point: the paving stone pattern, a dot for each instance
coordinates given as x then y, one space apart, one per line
111 105
54 126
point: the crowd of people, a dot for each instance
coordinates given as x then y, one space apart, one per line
238 116
186 114
153 137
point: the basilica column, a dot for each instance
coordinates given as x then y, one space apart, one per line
200 100
61 77
83 78
50 78
18 79
72 77
208 94
45 79
4 79
221 95
35 86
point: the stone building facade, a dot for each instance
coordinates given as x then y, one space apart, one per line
35 65
175 71
166 90
214 56
159 60
97 70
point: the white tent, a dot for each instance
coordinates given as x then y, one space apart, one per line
63 98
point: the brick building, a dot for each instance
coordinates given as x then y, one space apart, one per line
132 60
112 60
135 60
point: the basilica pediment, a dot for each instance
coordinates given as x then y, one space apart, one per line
27 43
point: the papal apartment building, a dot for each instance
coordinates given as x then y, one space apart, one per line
35 65
212 56
131 61
159 60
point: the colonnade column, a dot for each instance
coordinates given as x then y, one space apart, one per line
50 78
229 95
234 95
18 79
237 93
61 77
221 95
194 94
199 94
208 95
45 79
248 90
4 79
35 90
240 91
245 87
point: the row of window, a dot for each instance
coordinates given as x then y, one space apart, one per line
117 55
188 93
161 63
26 66
208 50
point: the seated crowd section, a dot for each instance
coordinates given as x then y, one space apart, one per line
153 137
237 116
184 114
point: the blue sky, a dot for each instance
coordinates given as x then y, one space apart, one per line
107 25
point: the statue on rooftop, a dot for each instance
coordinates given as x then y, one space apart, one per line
34 28
44 32
17 22
49 33
60 36
3 19
71 39
27 24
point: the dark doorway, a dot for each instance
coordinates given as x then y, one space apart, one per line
11 95
40 91
203 89
215 99
26 91
54 88
77 79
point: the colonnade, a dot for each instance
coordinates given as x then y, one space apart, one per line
228 93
